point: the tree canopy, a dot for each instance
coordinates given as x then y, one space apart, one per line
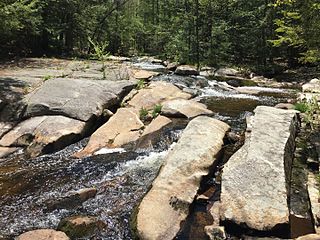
211 32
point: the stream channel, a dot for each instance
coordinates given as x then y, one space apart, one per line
121 178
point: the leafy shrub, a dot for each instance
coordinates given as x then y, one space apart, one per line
156 110
143 113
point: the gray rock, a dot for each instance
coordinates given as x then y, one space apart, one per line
50 132
74 98
312 87
166 205
221 72
255 179
186 70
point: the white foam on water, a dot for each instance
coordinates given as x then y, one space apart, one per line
224 90
264 89
109 150
211 92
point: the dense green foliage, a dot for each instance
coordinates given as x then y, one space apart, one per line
211 32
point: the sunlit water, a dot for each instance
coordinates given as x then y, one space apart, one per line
121 178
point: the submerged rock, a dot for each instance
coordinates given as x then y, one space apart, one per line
80 226
73 200
255 181
122 128
76 98
44 134
166 205
43 234
184 108
186 70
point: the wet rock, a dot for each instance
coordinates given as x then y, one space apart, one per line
66 97
167 203
215 232
43 234
172 66
80 226
301 221
151 133
44 134
122 128
201 82
6 151
287 106
143 74
2 104
156 93
310 237
313 190
184 108
186 70
312 87
255 181
207 71
71 201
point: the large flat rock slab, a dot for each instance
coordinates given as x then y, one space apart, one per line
255 181
51 132
167 203
75 98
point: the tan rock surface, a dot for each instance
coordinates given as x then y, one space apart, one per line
184 108
166 205
43 234
121 129
156 93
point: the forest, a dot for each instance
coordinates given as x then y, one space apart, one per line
257 33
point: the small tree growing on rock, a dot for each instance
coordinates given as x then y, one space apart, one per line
101 54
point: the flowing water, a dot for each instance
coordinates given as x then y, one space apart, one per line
121 178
